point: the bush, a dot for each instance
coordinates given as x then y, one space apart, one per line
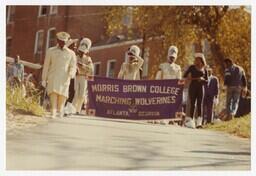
16 101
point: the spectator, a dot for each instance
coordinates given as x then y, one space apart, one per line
18 71
235 81
211 96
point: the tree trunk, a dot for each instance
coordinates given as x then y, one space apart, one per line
143 50
219 57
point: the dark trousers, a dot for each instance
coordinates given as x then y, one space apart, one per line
196 94
208 109
71 91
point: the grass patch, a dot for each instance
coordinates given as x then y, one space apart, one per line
16 102
239 126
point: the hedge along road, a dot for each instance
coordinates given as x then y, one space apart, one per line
88 143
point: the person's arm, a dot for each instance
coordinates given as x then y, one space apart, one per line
140 62
244 81
217 87
22 72
227 76
187 72
178 76
89 66
159 75
72 66
205 80
47 63
121 72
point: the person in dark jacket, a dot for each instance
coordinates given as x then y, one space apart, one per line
198 77
211 96
235 81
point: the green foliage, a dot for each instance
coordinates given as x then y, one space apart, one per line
15 101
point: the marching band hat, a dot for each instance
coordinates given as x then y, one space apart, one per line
85 45
134 50
173 51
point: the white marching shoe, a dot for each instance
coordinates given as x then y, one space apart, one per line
53 115
189 122
216 121
61 114
199 122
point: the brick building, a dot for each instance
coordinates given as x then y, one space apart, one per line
31 31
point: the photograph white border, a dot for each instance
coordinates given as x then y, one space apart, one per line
124 2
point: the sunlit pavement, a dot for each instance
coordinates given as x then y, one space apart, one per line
87 143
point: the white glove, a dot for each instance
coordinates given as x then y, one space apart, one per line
44 84
216 101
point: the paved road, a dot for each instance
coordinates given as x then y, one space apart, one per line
86 143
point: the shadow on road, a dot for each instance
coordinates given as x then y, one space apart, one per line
223 152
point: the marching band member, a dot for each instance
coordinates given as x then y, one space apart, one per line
72 44
170 70
130 69
59 67
84 69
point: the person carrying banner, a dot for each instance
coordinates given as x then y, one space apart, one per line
235 81
59 67
198 78
130 69
211 96
84 70
169 69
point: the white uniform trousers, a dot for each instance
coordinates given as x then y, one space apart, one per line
80 92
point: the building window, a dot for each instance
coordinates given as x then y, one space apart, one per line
111 68
38 51
127 18
10 11
8 46
53 9
96 68
42 10
51 39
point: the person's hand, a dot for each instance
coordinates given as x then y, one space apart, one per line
201 79
244 91
216 100
44 84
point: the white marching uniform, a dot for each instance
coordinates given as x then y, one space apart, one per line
85 69
131 71
59 68
169 71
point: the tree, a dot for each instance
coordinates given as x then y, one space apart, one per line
185 25
234 37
